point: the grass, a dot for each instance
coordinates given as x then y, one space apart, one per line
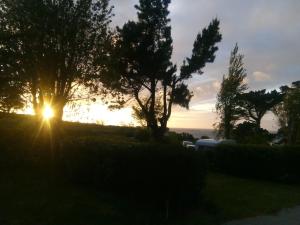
34 197
237 198
38 197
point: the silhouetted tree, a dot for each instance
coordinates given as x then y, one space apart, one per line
248 133
258 103
140 116
11 96
288 113
11 85
144 70
228 104
58 46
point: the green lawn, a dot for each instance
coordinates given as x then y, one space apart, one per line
30 197
237 198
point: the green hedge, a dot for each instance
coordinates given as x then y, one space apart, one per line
262 162
157 175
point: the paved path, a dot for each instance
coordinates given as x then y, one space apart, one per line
284 217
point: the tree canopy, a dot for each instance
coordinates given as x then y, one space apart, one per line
288 113
233 85
56 46
144 71
258 103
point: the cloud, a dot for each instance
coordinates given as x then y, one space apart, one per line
261 76
204 91
204 107
267 33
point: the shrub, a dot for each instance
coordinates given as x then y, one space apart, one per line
251 135
262 162
157 175
142 134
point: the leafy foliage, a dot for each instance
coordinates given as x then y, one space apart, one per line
56 46
251 134
158 176
143 67
233 85
258 103
262 162
11 96
11 85
167 177
288 113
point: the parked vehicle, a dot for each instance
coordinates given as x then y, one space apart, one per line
207 144
186 143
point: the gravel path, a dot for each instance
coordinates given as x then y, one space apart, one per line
284 217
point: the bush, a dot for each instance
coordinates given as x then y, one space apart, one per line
155 175
262 162
251 135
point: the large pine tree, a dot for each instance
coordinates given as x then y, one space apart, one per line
228 102
144 70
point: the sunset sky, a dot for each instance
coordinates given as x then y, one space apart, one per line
268 35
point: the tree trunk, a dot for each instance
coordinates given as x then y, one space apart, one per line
292 133
36 105
152 115
59 112
227 130
258 122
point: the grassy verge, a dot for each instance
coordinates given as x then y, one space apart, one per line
237 198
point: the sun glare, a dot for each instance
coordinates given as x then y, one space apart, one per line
48 112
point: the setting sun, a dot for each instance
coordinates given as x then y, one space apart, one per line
48 112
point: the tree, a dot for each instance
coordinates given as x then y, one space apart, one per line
258 103
10 96
288 113
11 88
144 70
228 103
57 46
251 134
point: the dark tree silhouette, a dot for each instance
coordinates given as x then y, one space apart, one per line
57 46
11 96
144 70
228 104
248 133
258 103
288 113
11 85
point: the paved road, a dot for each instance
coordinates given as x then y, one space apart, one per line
284 217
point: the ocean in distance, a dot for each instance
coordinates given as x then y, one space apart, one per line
197 133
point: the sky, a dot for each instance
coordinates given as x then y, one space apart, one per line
267 32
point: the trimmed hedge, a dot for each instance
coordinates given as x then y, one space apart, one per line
157 175
262 162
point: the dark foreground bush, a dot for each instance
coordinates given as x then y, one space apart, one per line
160 176
262 162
